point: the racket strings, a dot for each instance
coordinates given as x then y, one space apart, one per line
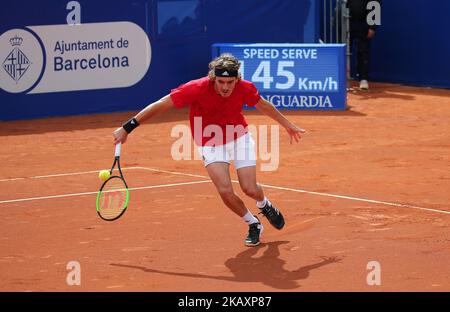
113 199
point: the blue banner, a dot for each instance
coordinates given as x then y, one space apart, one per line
81 57
294 76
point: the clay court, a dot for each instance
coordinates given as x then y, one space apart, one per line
367 184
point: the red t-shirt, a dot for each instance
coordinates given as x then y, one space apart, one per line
219 115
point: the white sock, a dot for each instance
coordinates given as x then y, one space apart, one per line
262 204
250 218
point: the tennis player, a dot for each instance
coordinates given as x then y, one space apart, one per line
220 132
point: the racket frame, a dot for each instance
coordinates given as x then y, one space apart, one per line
116 161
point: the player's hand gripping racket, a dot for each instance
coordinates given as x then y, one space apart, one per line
112 199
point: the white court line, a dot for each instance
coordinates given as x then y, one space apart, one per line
92 193
12 179
234 181
173 172
319 193
355 198
63 174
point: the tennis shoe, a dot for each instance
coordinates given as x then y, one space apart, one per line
254 233
273 215
364 85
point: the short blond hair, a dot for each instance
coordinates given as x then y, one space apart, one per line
225 61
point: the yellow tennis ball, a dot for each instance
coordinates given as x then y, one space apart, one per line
103 175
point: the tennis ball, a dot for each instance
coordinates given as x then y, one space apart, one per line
103 175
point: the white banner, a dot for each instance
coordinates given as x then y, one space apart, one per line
77 57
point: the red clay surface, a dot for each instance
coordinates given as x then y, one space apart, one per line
392 145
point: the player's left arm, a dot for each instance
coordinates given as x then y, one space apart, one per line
270 110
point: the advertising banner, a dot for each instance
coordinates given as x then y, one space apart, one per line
294 76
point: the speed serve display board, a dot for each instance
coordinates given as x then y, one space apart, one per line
293 76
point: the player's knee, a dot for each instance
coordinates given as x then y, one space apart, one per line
225 192
250 190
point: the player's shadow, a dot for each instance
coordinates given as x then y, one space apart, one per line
267 269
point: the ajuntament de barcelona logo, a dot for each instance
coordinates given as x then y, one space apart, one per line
16 63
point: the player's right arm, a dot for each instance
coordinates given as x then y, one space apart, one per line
162 105
156 108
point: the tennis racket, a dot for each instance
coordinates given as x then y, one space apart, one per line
112 199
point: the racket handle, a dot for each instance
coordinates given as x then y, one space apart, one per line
118 148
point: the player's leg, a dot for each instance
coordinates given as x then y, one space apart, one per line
248 184
245 164
247 181
220 175
217 165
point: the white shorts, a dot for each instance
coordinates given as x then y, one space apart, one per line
241 151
